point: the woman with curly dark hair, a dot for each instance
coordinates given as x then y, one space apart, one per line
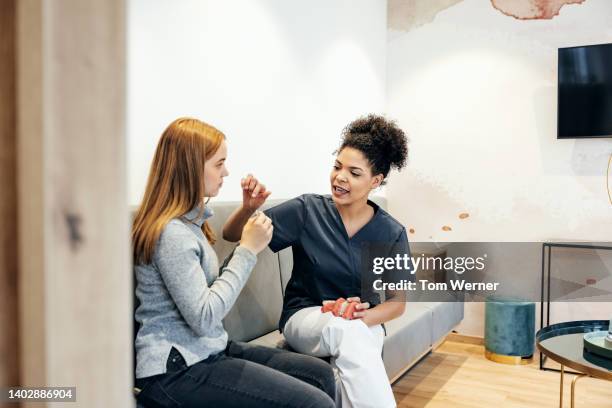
328 234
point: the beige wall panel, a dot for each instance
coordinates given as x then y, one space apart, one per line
76 285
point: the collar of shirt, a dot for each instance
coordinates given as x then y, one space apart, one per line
194 215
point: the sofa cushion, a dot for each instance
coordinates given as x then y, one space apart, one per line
273 339
407 338
446 316
258 308
285 258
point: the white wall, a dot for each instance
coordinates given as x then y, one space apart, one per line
476 91
280 78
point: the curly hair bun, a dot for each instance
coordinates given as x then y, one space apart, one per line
382 142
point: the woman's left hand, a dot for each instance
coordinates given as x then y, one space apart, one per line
254 193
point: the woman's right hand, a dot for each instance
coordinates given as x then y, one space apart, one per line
254 193
257 233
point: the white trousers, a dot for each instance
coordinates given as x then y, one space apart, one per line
355 351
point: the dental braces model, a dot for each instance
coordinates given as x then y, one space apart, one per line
340 308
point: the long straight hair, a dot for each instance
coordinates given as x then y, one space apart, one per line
176 182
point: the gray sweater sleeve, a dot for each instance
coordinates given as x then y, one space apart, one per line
177 258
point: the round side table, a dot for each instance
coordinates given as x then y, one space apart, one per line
563 343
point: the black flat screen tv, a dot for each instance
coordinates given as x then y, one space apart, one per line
584 101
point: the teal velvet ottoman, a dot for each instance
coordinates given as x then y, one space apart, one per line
509 330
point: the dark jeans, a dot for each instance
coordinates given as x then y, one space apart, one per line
243 375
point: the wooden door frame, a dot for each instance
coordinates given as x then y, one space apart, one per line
75 299
9 328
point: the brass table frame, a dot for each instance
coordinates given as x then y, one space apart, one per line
584 371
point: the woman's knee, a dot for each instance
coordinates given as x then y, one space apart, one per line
326 379
312 370
340 329
318 400
349 337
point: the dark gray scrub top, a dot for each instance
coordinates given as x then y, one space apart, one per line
326 263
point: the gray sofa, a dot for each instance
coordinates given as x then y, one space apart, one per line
254 318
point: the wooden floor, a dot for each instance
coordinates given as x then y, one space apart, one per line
458 375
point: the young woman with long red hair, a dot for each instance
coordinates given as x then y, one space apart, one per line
183 357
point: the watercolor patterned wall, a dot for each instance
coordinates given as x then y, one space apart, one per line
474 83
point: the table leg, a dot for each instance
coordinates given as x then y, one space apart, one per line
574 381
561 387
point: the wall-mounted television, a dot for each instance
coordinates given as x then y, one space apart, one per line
584 101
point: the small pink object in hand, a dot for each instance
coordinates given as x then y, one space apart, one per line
350 310
340 308
328 306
